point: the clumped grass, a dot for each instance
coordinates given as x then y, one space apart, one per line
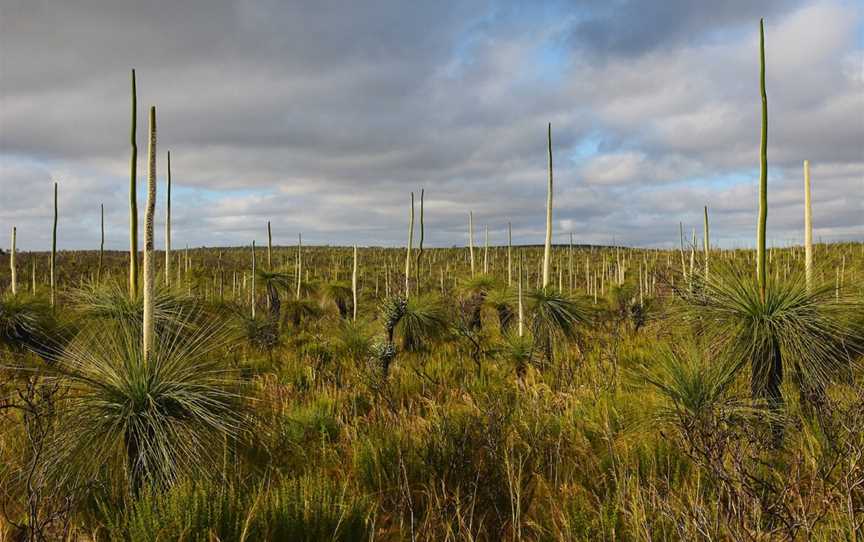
152 420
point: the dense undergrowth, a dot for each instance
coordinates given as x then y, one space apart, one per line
633 417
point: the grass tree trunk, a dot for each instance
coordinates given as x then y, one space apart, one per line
761 272
149 257
168 226
133 199
410 247
53 261
808 228
547 249
354 283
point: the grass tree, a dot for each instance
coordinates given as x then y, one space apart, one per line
552 317
149 422
148 403
779 326
416 321
273 282
26 324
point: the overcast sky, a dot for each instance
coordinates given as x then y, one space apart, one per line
323 116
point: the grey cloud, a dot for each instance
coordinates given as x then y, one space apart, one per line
322 117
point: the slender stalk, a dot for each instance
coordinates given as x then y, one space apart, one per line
269 247
570 263
547 250
12 270
471 239
410 248
420 248
33 275
354 283
693 252
299 261
168 226
761 273
808 228
53 261
509 254
706 241
101 241
133 199
486 252
520 309
253 280
683 265
149 259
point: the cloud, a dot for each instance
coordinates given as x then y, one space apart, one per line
323 117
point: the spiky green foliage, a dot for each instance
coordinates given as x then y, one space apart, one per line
518 352
274 282
808 335
26 324
110 303
553 315
261 332
416 321
501 300
152 421
297 311
475 290
340 295
694 387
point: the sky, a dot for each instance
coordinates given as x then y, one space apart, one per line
322 117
